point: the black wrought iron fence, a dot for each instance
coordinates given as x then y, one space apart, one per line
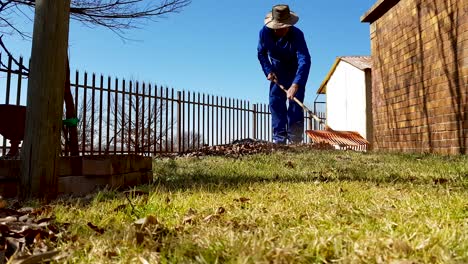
118 116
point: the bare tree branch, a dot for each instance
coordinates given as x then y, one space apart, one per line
115 15
20 65
7 26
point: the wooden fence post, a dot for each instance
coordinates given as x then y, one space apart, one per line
41 146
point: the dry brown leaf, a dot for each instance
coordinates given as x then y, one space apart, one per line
74 238
14 244
188 220
440 181
3 203
289 164
211 218
120 208
27 240
140 237
24 218
303 216
111 254
5 212
36 258
147 221
191 211
42 210
151 220
179 228
26 210
220 210
96 228
8 219
45 220
402 246
39 245
242 199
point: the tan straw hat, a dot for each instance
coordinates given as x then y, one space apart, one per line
280 17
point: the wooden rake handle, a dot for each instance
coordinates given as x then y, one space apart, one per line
314 116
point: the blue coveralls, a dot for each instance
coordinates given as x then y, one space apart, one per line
289 58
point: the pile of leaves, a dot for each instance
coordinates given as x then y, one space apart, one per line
27 236
244 147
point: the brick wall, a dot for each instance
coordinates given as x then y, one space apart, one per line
420 76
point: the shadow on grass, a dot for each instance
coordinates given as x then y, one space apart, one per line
179 179
228 174
210 183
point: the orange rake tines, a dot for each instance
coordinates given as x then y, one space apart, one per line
338 139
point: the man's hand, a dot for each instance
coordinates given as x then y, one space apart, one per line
292 91
272 77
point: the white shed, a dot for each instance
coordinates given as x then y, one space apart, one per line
347 88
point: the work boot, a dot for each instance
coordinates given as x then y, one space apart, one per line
278 142
295 140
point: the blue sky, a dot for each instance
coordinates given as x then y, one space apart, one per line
210 47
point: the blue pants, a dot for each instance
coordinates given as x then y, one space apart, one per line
287 122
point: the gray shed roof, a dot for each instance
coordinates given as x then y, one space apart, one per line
360 62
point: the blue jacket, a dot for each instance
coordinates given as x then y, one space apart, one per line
288 57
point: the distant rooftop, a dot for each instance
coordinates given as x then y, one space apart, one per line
378 9
360 62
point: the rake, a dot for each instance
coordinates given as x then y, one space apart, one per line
338 139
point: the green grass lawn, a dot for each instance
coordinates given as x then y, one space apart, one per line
305 206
